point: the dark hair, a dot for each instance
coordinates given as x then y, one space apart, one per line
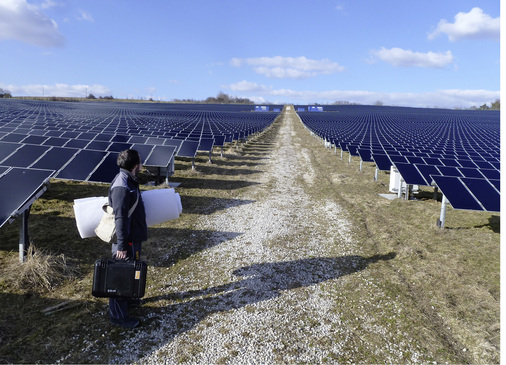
128 159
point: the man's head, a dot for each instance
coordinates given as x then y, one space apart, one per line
129 160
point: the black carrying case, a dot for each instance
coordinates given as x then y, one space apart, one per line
122 279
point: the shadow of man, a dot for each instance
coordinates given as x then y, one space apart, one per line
258 282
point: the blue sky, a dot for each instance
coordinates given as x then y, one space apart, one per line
429 53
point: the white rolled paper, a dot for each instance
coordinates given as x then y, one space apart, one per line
161 205
88 212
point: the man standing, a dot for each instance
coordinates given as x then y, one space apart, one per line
131 228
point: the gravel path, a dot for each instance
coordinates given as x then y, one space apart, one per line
274 272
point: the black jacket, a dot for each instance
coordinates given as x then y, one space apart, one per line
123 193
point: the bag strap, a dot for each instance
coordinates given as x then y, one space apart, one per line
131 211
108 209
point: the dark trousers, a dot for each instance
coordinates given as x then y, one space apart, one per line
118 307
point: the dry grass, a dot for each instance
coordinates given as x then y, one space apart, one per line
41 271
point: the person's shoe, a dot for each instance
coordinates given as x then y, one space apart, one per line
134 303
128 322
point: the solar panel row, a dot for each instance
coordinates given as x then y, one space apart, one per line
81 141
455 150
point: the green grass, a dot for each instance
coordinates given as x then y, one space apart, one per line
441 291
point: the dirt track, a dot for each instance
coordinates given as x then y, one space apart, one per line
282 279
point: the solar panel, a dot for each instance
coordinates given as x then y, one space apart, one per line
81 166
188 149
365 155
382 162
144 151
491 174
457 193
25 156
160 156
485 192
55 158
469 172
410 174
206 144
106 170
27 183
6 149
219 140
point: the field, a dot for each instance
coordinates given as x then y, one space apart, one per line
284 253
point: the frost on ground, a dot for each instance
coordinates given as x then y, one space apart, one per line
274 291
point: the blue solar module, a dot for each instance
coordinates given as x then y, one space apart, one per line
382 162
81 166
397 159
160 156
469 172
457 193
449 171
426 171
415 159
365 155
496 183
449 162
7 149
410 174
484 165
98 145
491 174
353 149
467 163
138 139
219 140
485 192
13 137
55 158
55 141
188 149
27 183
144 151
77 143
432 161
120 138
106 170
25 156
118 147
206 144
173 142
34 139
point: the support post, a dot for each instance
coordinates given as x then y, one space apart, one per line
349 157
341 153
408 191
24 239
435 192
376 174
399 192
442 216
361 163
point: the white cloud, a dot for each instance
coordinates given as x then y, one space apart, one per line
247 86
84 15
408 58
288 67
57 90
450 98
473 25
24 22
